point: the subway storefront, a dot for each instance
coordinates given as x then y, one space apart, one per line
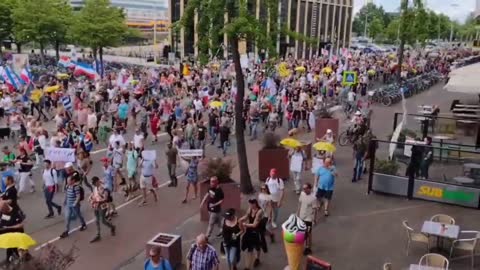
446 193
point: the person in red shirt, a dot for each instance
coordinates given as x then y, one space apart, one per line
154 125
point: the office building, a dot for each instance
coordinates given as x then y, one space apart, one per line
140 14
328 22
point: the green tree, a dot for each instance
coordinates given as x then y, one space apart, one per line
63 12
99 25
369 13
240 26
6 20
38 21
392 30
375 27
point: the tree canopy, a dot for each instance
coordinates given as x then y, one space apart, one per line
422 24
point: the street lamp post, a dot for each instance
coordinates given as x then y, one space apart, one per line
155 34
454 5
366 18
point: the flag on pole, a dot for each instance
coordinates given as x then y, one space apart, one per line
65 62
82 69
11 79
26 75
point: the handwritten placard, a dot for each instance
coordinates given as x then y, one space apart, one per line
60 154
190 152
149 155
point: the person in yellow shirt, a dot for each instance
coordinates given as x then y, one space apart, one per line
36 99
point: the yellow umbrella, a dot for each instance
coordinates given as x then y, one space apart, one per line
371 72
216 104
52 89
325 146
327 70
62 76
300 69
292 143
16 240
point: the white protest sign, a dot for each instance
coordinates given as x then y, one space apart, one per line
190 152
60 154
149 155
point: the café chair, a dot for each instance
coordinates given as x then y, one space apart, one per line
387 266
413 236
434 260
442 218
466 244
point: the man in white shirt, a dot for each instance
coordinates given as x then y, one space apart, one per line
116 137
138 140
296 166
307 211
50 183
146 180
276 187
197 103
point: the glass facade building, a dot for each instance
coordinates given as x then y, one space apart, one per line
325 22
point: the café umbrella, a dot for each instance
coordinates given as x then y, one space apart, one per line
325 146
291 143
16 240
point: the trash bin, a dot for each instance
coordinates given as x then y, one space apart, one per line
170 247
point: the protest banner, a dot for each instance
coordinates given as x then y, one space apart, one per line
149 155
190 152
60 154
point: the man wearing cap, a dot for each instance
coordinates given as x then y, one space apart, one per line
73 197
276 188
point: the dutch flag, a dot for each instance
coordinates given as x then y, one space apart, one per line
26 75
82 69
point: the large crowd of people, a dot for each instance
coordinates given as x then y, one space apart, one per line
194 106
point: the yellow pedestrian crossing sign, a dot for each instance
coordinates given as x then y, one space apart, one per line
349 78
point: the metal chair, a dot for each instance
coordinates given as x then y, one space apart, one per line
434 260
387 266
466 244
413 236
442 218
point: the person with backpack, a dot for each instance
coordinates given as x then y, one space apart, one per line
276 187
99 199
50 186
74 195
156 261
202 256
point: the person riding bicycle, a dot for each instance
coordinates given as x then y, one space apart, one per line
359 126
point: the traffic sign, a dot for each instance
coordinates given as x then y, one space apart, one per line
349 78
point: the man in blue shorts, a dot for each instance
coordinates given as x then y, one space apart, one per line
325 182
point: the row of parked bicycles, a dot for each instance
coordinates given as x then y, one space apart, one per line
392 93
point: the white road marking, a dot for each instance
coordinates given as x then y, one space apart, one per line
93 219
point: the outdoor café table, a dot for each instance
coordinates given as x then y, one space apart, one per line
467 106
425 112
465 115
465 110
435 229
423 267
463 180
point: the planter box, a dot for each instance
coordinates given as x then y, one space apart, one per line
273 158
390 184
231 192
322 124
170 248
